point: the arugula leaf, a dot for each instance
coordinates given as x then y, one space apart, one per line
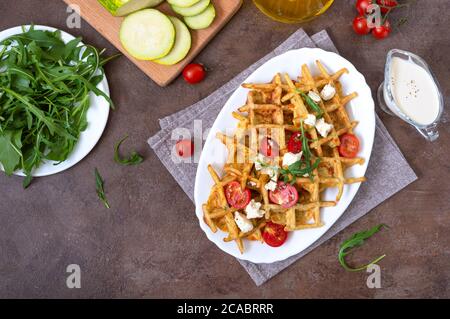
99 183
300 169
37 112
357 240
10 154
45 88
133 159
313 105
27 181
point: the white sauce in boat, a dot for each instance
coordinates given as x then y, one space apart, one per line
414 91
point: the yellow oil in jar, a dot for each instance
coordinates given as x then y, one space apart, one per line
292 11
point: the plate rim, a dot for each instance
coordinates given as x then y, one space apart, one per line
100 128
371 108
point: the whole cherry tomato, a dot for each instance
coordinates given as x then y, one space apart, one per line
360 25
184 148
194 73
361 6
387 5
383 31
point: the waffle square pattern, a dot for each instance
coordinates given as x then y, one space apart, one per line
290 144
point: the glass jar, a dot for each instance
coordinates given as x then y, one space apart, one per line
423 89
293 11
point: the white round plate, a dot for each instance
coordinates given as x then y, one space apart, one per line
97 116
214 152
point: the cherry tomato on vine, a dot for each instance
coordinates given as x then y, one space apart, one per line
387 5
383 31
360 25
361 6
194 73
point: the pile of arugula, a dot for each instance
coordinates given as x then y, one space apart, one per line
44 97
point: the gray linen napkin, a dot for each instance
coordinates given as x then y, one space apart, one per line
386 156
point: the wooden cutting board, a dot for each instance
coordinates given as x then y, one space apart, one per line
100 19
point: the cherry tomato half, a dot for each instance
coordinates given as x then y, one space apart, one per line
349 145
387 5
194 73
360 25
295 143
285 195
274 235
184 148
383 31
237 197
269 147
361 6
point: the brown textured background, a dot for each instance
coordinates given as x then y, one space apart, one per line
149 243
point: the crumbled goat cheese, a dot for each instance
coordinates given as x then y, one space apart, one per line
314 96
271 185
310 119
328 92
291 158
254 210
323 127
244 224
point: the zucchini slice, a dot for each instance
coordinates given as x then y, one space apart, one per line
197 8
147 34
182 43
183 3
202 20
124 7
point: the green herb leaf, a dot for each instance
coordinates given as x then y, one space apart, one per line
100 189
10 153
357 240
313 105
133 159
27 181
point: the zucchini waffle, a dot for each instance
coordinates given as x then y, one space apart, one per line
276 111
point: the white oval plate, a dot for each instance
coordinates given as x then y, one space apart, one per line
97 116
214 152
